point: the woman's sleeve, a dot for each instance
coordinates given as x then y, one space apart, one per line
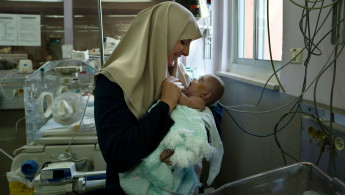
124 140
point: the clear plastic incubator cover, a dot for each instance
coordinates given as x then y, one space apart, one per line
58 97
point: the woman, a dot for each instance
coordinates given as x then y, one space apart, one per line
139 72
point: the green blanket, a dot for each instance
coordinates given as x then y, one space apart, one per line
188 138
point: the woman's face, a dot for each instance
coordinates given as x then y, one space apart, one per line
181 48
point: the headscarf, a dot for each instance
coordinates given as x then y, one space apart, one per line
139 63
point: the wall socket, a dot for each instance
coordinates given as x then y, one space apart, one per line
296 55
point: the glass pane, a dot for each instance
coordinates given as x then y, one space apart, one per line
245 28
51 32
86 31
276 29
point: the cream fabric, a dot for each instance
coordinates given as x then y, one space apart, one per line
139 62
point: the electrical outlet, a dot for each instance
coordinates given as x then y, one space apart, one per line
339 143
319 135
311 132
296 55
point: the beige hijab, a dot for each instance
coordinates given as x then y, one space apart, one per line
139 62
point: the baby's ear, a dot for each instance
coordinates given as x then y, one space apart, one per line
206 95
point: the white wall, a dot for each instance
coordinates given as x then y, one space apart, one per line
292 76
196 58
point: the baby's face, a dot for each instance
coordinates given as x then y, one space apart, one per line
197 86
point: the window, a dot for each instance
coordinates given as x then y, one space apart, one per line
251 36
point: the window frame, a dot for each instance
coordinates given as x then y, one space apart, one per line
263 64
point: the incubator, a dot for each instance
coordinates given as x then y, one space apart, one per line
59 89
62 153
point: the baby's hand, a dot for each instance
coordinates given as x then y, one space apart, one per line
165 156
171 90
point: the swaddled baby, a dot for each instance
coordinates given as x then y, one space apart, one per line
188 138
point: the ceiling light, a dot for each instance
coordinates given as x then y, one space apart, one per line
53 16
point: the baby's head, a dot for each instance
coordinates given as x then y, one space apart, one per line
208 87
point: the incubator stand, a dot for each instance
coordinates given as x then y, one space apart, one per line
50 142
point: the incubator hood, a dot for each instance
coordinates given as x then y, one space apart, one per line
64 80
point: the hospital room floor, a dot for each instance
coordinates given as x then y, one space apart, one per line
10 140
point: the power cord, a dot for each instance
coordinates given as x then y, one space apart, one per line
309 8
269 47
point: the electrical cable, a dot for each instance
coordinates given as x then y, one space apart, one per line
269 47
315 7
264 88
334 74
330 137
296 55
275 131
256 112
307 41
6 154
18 123
315 1
304 35
276 138
81 120
290 119
324 68
316 47
332 148
82 117
267 135
318 158
285 115
300 96
252 134
261 95
311 47
67 155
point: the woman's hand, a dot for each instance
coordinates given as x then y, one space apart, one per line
171 91
165 156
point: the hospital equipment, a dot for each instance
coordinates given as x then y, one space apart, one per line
55 174
80 55
313 145
109 46
11 89
300 178
25 66
67 73
62 151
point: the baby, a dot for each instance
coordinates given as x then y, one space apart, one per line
202 92
188 137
